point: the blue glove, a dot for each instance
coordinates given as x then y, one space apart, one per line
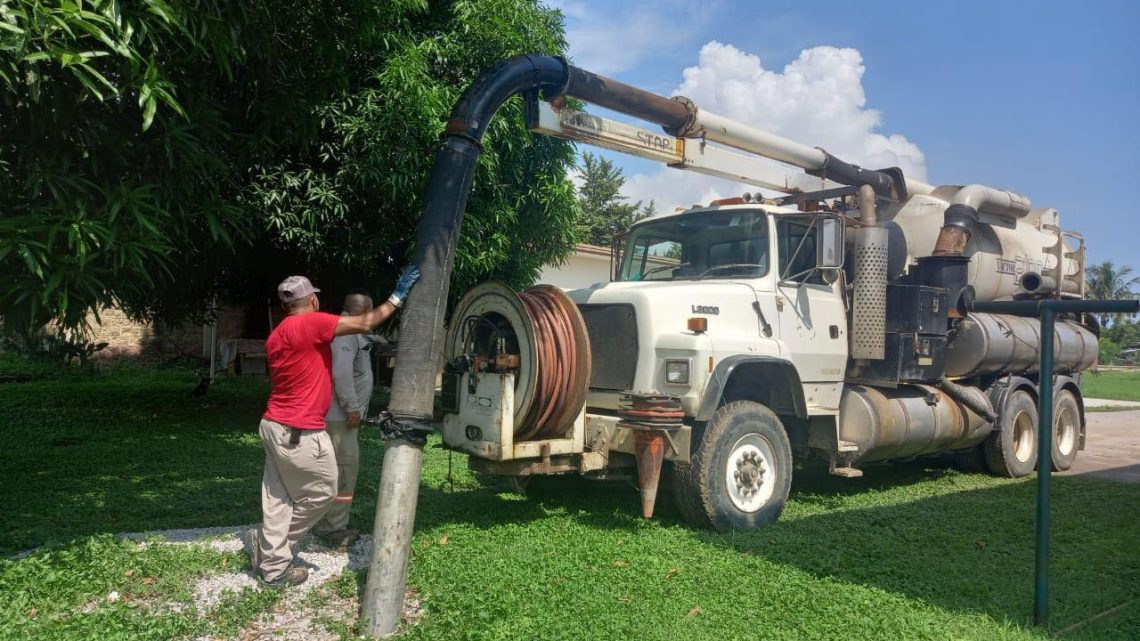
408 278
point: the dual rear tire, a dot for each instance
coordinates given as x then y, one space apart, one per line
1012 449
1066 431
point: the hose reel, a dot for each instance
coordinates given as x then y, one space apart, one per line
539 336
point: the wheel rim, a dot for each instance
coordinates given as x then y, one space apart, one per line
1066 431
750 473
1023 436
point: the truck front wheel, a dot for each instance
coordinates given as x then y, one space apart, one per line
740 472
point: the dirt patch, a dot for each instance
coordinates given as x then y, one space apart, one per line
1112 448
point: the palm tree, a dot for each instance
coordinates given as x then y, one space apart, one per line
1106 282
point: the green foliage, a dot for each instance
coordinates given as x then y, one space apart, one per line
42 354
605 214
1106 281
1109 352
16 366
157 155
104 173
1123 332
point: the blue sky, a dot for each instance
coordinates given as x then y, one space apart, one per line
1042 98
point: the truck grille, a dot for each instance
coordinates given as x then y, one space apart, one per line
613 345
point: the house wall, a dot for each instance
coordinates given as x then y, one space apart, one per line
155 342
588 265
126 338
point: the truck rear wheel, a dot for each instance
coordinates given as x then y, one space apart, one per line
740 472
1066 431
1012 449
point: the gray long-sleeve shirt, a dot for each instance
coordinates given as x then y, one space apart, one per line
351 375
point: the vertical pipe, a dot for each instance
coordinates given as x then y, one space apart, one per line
213 338
213 349
1044 467
867 212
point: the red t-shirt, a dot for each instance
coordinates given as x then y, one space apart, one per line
300 370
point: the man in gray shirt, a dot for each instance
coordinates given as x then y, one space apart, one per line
352 390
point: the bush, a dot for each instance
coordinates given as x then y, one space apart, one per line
1109 352
40 354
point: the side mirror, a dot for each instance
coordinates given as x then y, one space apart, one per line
829 240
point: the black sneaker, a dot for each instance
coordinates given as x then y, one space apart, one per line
295 575
341 538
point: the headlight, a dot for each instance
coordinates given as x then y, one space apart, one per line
677 371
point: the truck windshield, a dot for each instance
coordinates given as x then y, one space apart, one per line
700 245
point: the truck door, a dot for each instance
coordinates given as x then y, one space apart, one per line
811 312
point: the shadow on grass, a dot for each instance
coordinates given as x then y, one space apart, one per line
970 550
611 504
960 542
126 453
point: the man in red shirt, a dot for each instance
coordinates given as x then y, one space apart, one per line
300 479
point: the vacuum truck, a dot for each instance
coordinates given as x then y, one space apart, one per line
829 314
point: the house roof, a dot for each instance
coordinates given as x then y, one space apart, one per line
583 248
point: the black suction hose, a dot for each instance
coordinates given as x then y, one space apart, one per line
421 327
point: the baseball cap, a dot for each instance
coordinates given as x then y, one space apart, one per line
295 288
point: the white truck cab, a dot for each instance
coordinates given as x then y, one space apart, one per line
750 272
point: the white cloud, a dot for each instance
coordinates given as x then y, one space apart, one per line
672 188
817 99
610 38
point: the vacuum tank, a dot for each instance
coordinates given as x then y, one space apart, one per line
1007 250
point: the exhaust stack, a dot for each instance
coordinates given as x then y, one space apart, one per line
869 302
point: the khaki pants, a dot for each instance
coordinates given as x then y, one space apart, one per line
346 444
297 489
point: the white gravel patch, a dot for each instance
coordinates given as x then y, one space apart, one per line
324 563
222 539
290 618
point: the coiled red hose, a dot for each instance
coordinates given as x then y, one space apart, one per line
558 367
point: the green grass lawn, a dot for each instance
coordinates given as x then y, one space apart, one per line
1115 385
907 552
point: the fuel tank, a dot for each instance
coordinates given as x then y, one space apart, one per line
992 343
905 422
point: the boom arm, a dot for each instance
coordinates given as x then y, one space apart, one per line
682 119
693 155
